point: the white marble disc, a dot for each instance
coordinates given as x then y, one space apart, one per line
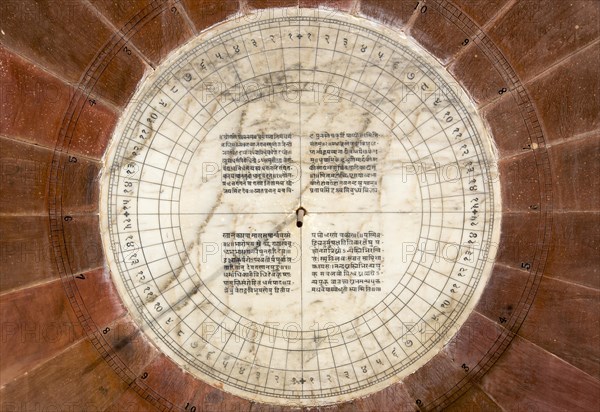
269 113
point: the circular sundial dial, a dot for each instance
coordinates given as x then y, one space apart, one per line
300 209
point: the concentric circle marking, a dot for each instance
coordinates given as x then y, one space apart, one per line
239 129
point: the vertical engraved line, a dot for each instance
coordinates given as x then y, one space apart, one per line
301 228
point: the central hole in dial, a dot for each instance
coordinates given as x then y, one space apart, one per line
300 213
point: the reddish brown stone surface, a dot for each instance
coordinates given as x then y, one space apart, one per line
80 186
28 257
117 80
102 302
24 180
32 101
519 237
392 12
77 36
163 34
434 380
474 400
261 407
503 292
471 344
520 182
125 12
37 323
552 31
438 34
567 97
477 74
528 378
339 5
264 4
25 251
395 395
129 345
205 13
93 130
23 177
76 379
507 125
159 35
83 247
576 174
34 104
562 320
480 11
61 37
130 401
112 78
574 250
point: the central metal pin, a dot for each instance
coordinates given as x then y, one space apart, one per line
300 213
